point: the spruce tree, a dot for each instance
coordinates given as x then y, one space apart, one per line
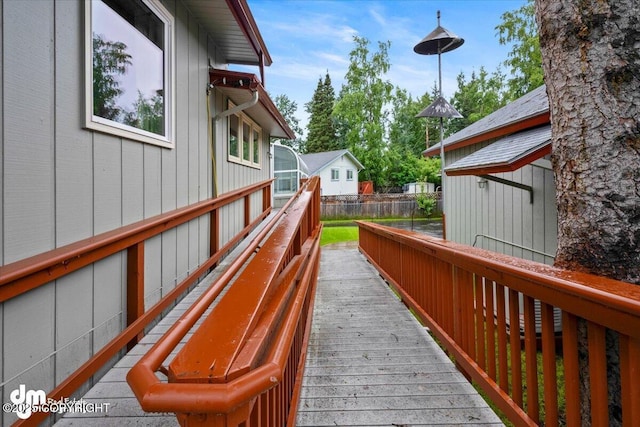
321 135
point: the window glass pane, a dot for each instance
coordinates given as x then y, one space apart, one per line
233 136
286 182
256 146
246 134
284 159
335 174
128 64
349 175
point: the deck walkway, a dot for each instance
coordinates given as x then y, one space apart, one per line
369 362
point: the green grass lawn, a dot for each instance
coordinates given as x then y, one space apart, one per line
338 234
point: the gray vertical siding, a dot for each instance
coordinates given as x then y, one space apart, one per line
503 212
62 183
28 128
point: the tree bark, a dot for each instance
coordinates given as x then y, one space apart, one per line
591 61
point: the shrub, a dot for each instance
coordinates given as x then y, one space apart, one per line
426 203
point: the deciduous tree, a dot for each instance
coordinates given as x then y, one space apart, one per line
288 109
110 60
519 27
360 109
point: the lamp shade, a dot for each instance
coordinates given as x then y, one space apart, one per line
437 41
440 108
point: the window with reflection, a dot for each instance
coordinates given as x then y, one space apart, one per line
130 69
245 139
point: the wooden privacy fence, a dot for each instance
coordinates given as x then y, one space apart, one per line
242 366
40 270
373 206
469 298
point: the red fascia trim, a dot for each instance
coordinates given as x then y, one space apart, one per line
503 167
244 18
518 126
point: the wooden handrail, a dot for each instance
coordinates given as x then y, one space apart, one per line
22 276
260 326
29 273
469 298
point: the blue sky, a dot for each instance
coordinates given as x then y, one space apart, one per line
307 38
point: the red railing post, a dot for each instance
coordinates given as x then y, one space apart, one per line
214 230
135 287
247 210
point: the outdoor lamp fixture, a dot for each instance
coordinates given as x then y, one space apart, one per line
438 42
482 182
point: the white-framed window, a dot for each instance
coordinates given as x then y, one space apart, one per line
335 174
349 174
129 79
245 139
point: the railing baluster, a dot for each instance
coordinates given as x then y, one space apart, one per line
598 374
549 365
456 307
489 288
531 358
469 326
479 320
445 294
514 340
571 368
503 377
629 373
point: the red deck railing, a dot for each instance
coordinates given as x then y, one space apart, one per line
468 298
40 270
242 366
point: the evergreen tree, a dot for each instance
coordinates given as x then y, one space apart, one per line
474 99
321 134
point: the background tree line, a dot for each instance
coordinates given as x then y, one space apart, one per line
377 121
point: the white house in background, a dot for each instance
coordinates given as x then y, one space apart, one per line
338 171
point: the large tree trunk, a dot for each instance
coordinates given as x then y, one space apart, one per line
591 60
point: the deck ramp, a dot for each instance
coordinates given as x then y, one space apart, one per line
370 362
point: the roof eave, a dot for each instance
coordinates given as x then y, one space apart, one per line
509 128
247 23
503 166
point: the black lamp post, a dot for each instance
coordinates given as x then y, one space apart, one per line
438 42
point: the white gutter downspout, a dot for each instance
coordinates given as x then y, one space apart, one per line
253 101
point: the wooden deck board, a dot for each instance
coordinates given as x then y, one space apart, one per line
370 363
